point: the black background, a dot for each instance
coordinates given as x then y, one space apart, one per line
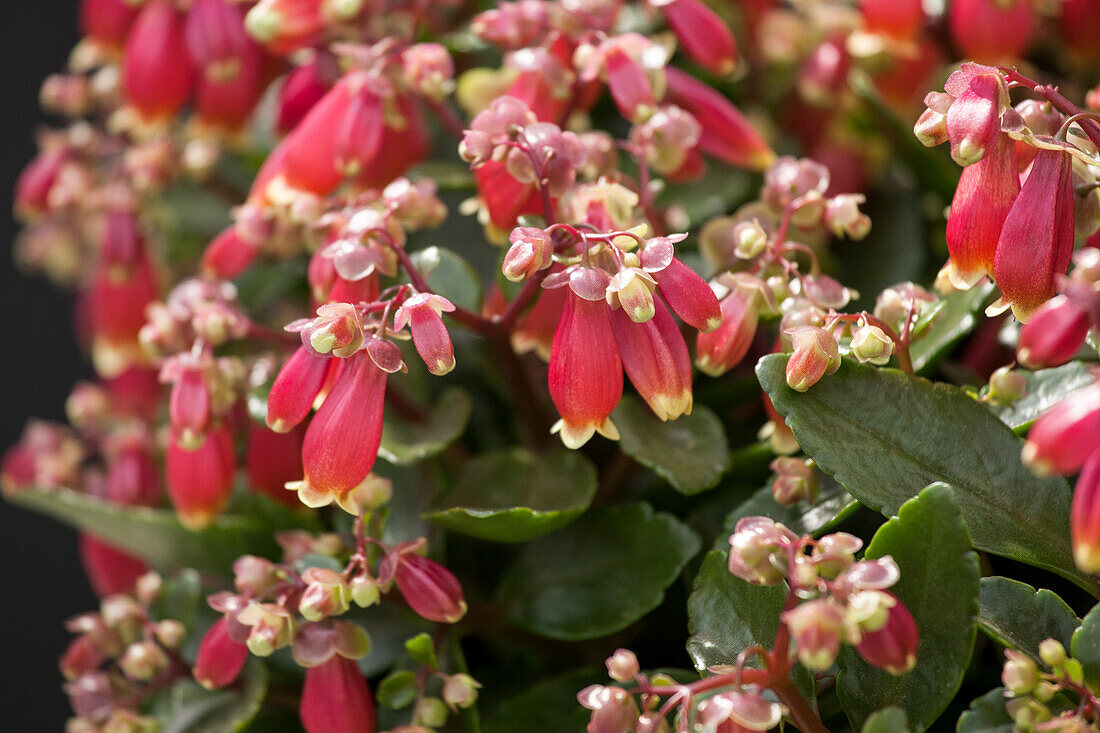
41 583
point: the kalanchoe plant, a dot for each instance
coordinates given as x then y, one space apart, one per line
423 336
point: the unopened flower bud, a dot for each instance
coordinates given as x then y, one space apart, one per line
795 481
816 630
843 217
460 691
1006 385
272 627
1026 712
1052 652
170 633
1054 333
429 588
422 314
749 239
632 289
892 646
254 575
816 354
622 666
143 661
337 330
870 343
758 550
931 128
364 591
1062 439
1020 673
532 250
326 594
220 659
430 712
613 710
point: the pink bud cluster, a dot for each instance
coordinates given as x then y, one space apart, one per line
843 601
123 654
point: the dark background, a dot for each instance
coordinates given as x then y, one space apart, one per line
41 583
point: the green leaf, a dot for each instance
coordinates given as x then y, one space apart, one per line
987 714
514 496
450 275
398 689
1085 647
598 575
155 535
958 318
727 614
690 452
189 708
179 599
885 435
888 720
834 504
939 585
720 189
422 650
1018 616
1045 389
405 443
549 706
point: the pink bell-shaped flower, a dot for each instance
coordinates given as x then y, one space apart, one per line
656 360
220 659
157 73
336 699
201 480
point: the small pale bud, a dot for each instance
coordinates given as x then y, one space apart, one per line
1020 673
795 481
532 250
871 343
622 666
460 691
364 591
170 633
1052 652
431 712
1006 385
143 661
749 239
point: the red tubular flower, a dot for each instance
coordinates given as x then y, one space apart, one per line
107 22
230 63
342 440
900 19
109 569
894 646
991 31
629 84
983 198
32 188
189 406
825 72
404 142
336 699
200 481
220 659
1061 440
586 374
429 588
284 26
656 359
1084 519
303 87
228 255
295 389
689 296
727 134
133 478
718 351
421 313
273 459
703 35
157 73
505 198
1036 242
1054 334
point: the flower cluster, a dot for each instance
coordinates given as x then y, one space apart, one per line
1037 699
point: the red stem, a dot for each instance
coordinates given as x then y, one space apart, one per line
1052 95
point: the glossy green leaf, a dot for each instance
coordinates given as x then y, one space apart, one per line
727 614
398 689
549 706
888 720
885 435
421 649
155 534
404 442
188 708
1085 647
834 504
514 496
987 714
598 575
1018 616
939 585
959 317
690 452
1045 389
450 275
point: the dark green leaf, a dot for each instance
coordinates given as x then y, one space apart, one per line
884 436
450 276
398 689
405 443
422 650
599 574
987 715
888 720
1085 647
833 506
718 191
515 496
1045 389
958 318
727 614
939 585
179 598
191 709
549 706
690 452
155 534
1018 616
